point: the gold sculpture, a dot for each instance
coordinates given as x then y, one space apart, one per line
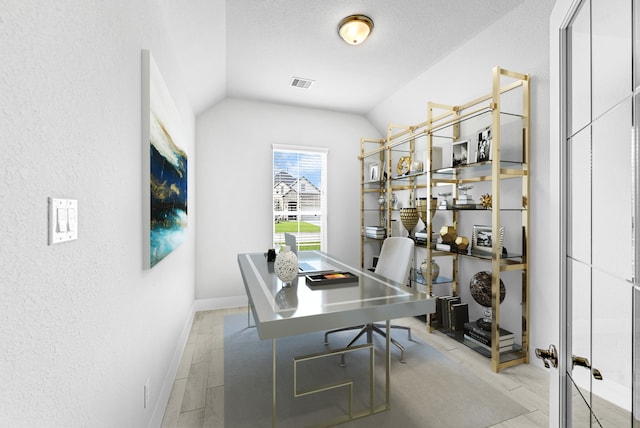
486 200
404 165
462 243
448 234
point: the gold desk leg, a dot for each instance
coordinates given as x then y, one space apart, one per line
387 364
350 416
249 306
273 383
349 384
343 384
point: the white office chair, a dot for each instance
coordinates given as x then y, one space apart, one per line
394 263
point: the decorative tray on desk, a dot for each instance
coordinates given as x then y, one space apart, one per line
331 278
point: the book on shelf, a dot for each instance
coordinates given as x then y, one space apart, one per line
445 302
377 232
443 247
472 328
468 206
487 341
459 314
501 349
375 228
438 314
374 235
450 303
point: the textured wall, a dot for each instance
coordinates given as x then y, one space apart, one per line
83 326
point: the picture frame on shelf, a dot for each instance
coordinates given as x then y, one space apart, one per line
483 150
373 172
482 240
460 153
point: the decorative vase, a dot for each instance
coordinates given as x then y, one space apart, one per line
409 218
434 271
286 266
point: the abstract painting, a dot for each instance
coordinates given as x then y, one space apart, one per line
164 168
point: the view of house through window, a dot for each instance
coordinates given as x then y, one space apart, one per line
299 196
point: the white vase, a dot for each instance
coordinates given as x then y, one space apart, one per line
286 265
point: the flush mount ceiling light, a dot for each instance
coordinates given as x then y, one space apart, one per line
355 29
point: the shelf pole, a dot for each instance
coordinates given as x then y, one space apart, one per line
526 187
495 222
362 225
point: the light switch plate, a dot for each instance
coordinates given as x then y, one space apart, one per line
63 220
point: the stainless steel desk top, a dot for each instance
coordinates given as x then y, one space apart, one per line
280 312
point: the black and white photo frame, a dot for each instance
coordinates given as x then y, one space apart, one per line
460 151
373 172
482 240
483 150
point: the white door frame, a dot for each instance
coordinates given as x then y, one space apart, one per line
562 12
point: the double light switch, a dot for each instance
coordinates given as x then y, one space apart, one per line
63 220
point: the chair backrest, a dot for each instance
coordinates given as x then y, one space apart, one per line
395 259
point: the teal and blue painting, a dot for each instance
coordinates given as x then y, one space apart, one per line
168 199
167 173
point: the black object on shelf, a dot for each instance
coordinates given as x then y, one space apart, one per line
459 316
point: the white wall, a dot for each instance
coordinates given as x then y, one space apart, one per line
83 325
518 42
235 184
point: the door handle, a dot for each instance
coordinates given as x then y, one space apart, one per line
548 356
584 362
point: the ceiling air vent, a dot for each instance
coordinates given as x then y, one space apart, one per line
298 82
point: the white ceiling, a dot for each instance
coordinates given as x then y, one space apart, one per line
251 48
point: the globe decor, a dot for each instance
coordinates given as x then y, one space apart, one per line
480 287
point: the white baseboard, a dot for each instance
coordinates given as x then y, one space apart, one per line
169 379
220 303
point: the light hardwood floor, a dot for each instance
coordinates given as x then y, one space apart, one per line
197 397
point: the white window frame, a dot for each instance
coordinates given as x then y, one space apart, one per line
322 212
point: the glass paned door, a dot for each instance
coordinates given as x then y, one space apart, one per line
600 167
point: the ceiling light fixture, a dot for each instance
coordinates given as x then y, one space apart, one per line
355 29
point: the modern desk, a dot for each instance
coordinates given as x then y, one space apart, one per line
280 312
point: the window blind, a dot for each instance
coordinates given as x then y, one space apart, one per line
299 196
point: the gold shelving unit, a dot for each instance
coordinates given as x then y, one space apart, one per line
507 103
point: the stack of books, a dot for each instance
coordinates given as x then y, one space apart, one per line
451 313
376 232
482 338
466 202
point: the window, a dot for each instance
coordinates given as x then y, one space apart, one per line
299 196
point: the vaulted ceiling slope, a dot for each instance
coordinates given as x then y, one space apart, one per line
251 49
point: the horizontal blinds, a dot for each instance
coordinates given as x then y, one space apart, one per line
299 196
